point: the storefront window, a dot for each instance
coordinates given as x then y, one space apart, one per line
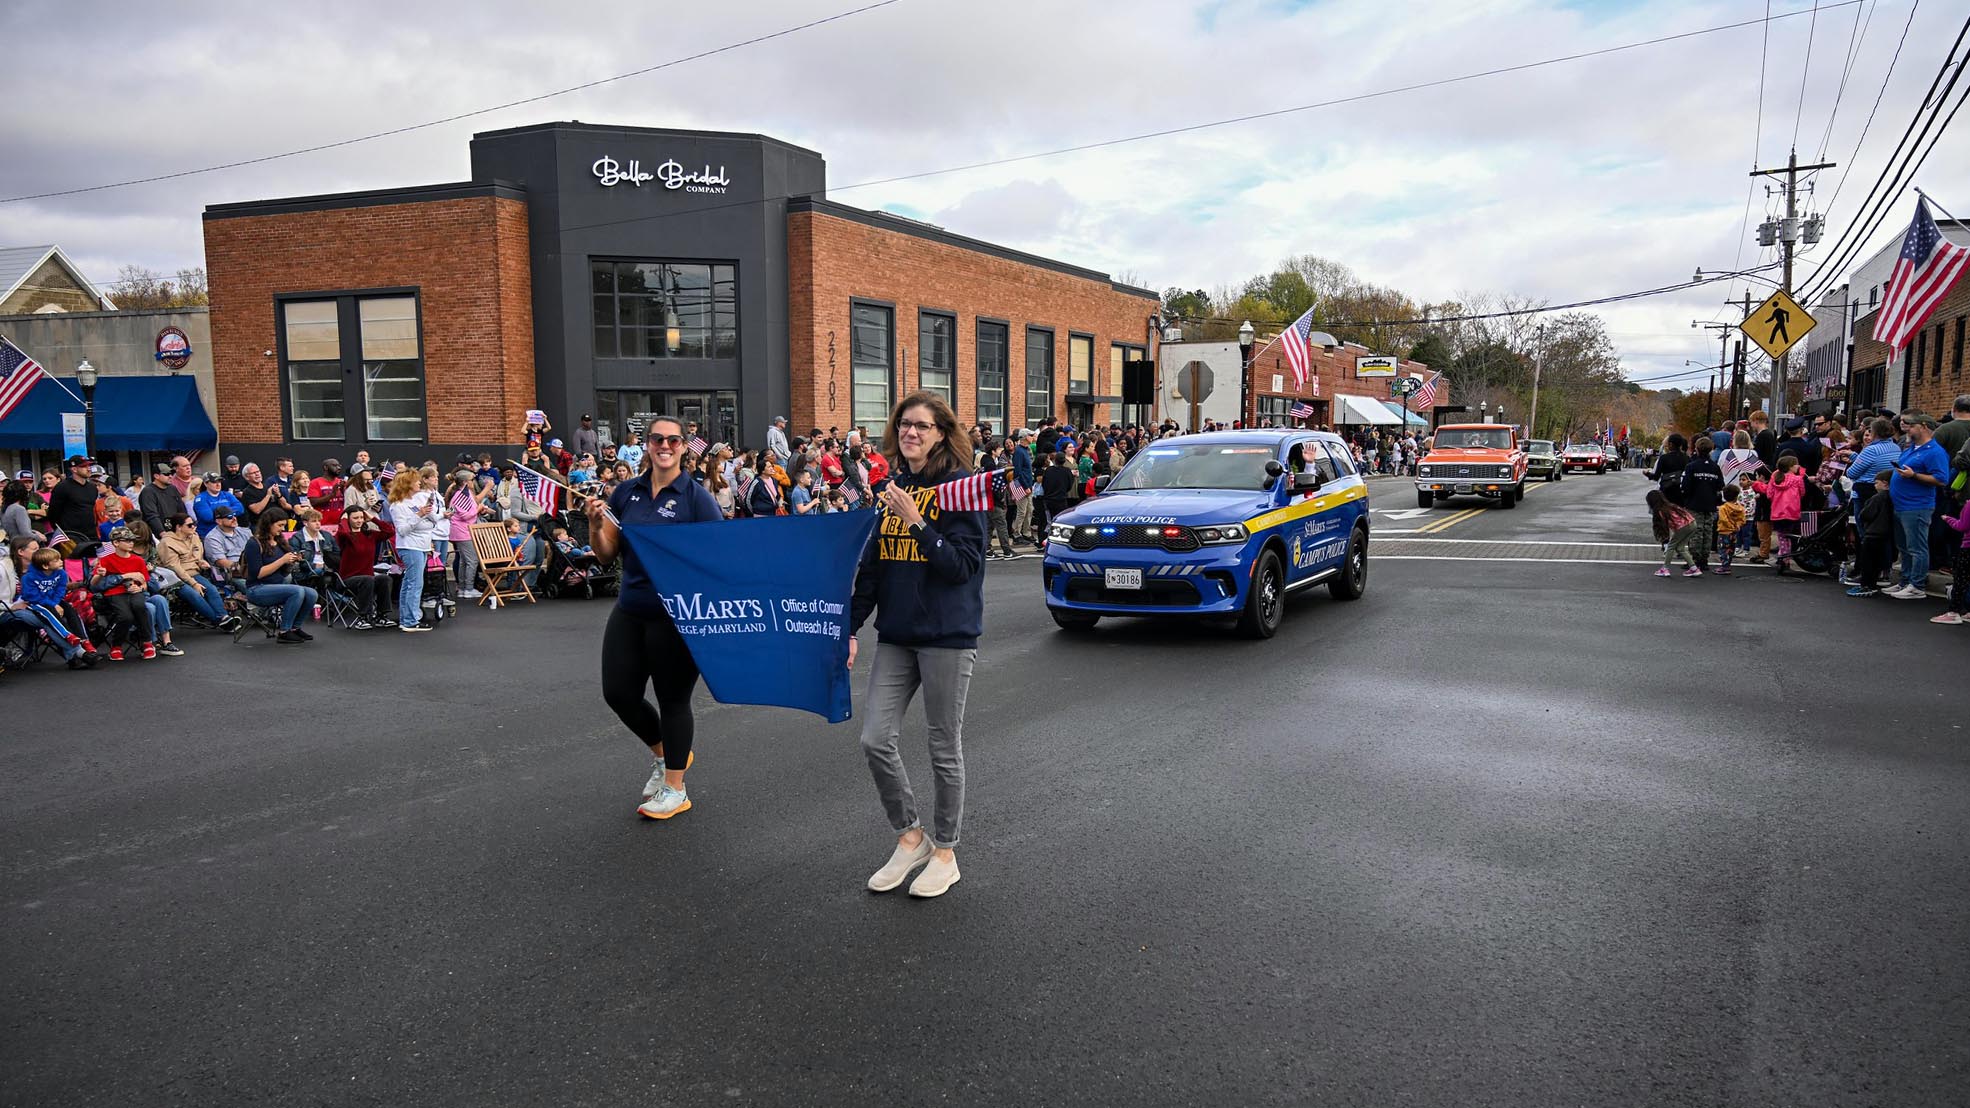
1039 375
992 343
937 355
1080 365
656 309
874 346
314 370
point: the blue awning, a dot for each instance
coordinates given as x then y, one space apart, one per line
1397 409
132 413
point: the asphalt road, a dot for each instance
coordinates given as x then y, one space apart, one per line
1514 832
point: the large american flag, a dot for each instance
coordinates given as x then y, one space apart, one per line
1928 266
1299 350
18 376
540 489
1426 396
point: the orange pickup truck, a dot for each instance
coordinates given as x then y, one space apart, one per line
1473 459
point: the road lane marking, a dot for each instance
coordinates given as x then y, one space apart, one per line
1452 521
1541 542
1550 561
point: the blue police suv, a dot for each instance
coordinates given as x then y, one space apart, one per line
1215 525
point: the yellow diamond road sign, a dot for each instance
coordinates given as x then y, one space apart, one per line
1777 324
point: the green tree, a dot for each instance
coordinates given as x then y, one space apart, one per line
1431 350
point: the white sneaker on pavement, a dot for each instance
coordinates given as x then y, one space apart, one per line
1909 592
936 877
656 780
901 862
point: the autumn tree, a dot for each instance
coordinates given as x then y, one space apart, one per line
137 288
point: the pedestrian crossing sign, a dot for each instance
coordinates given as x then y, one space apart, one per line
1777 324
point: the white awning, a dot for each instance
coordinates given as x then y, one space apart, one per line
1362 409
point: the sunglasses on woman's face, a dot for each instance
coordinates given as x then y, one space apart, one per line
666 440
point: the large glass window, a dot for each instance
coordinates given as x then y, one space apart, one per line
314 370
393 377
384 347
1080 365
656 309
937 355
872 355
992 368
1039 375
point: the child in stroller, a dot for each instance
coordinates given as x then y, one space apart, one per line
577 560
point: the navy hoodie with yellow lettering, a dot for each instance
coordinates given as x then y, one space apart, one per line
925 589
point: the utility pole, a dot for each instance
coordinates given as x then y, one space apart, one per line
1538 356
1788 238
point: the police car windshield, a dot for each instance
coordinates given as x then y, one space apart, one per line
1484 438
1195 466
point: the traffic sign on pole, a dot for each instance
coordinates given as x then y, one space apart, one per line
1777 324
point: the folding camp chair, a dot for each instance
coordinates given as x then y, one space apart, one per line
505 575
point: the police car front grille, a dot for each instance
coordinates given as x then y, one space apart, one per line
1154 593
1135 535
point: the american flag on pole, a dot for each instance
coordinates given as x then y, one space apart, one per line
966 494
1928 266
18 376
1426 396
1300 410
540 489
1299 349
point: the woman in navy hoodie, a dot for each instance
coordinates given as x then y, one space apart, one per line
922 576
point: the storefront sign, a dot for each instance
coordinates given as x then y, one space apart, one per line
1376 365
174 348
672 174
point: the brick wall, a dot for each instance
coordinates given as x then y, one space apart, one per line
466 257
1935 361
831 260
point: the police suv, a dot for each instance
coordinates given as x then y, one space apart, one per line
1224 524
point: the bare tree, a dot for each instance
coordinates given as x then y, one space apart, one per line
137 287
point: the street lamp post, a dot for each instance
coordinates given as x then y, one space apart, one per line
1245 338
85 375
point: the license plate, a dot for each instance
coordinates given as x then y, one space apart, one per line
1122 578
1463 488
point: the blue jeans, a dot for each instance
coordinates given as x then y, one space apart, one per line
292 599
410 594
1912 536
204 597
160 616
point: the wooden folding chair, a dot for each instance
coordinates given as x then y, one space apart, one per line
505 575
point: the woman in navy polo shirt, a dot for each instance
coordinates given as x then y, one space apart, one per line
641 645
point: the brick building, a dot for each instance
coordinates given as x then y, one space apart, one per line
1338 396
631 272
1930 370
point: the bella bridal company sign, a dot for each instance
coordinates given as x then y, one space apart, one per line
672 175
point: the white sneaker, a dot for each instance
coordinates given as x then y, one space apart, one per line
1910 592
901 862
469 594
668 802
656 780
936 877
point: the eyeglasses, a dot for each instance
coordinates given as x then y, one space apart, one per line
666 440
918 426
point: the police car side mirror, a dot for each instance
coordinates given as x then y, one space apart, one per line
1307 481
1272 471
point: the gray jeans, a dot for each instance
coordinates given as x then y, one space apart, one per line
944 674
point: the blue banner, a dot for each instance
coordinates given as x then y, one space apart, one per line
763 603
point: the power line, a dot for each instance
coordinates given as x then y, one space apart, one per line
1882 198
1855 39
1885 78
1757 137
1275 113
1806 71
461 115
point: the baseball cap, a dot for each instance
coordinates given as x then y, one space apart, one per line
161 469
357 468
79 460
210 477
1924 418
222 512
121 533
98 471
24 475
553 442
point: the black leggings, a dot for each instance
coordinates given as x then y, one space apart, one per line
129 615
639 650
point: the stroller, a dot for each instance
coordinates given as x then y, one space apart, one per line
1822 543
575 574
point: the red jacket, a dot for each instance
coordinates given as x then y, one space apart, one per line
359 547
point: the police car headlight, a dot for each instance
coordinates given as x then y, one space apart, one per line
1060 532
1230 532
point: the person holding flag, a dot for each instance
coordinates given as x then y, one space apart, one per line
922 577
641 645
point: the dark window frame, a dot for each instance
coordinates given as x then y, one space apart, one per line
1956 363
1053 356
950 391
1089 390
978 377
889 355
712 266
349 338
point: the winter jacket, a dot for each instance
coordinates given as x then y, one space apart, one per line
203 504
1703 485
1785 492
1878 517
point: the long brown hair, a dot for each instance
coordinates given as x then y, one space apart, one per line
947 456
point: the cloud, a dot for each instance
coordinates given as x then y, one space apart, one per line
1598 176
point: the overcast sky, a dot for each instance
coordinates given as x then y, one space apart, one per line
1570 181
